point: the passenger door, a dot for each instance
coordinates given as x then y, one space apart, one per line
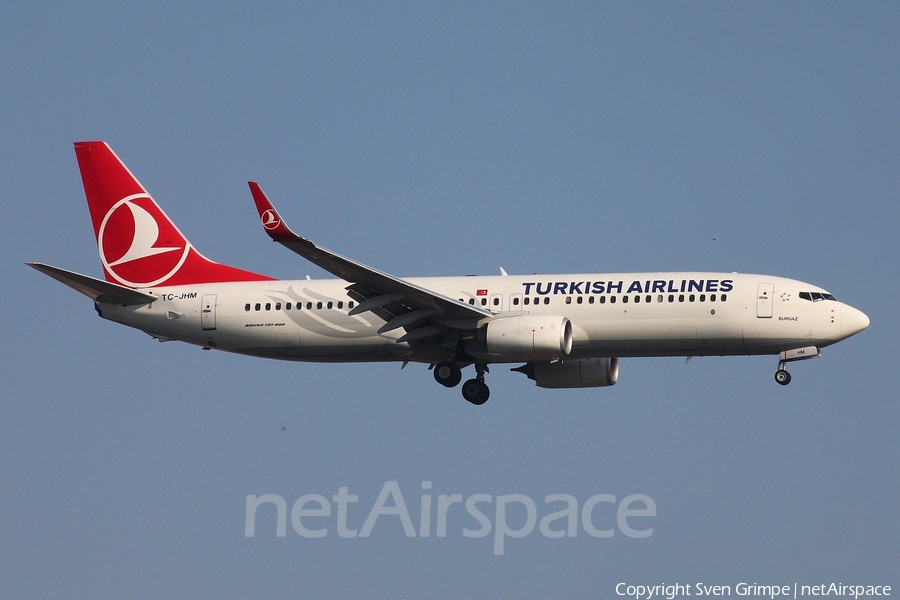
765 300
208 312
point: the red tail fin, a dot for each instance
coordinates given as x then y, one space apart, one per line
139 245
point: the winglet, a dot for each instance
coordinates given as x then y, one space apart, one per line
271 220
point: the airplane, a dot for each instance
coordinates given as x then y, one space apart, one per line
569 331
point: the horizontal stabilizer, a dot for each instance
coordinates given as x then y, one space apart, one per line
95 289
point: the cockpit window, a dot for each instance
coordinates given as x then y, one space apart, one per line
816 296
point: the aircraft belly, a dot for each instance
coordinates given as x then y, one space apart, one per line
778 333
659 337
170 324
327 354
296 343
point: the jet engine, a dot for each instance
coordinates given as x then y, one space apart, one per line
529 337
582 372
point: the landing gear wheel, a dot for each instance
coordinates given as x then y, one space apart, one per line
476 392
447 374
782 377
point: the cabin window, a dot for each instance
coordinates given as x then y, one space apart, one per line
724 297
625 299
319 305
547 300
287 306
340 304
702 297
484 301
278 306
496 301
681 297
691 297
471 300
602 299
590 299
247 307
712 297
350 304
568 299
330 305
659 298
671 298
257 307
515 301
580 299
526 301
268 306
612 299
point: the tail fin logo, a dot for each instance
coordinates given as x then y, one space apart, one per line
270 219
138 244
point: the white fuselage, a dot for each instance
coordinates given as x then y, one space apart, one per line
612 315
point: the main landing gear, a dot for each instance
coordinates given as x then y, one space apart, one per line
447 374
474 390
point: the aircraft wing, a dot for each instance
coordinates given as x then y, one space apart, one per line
95 289
400 303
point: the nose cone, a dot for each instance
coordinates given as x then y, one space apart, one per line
852 321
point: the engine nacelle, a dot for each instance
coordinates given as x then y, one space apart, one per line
583 372
529 337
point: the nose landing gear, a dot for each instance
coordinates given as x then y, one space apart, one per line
781 375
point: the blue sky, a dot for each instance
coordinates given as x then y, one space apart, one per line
446 139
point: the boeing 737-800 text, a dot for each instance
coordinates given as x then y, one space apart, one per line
568 330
